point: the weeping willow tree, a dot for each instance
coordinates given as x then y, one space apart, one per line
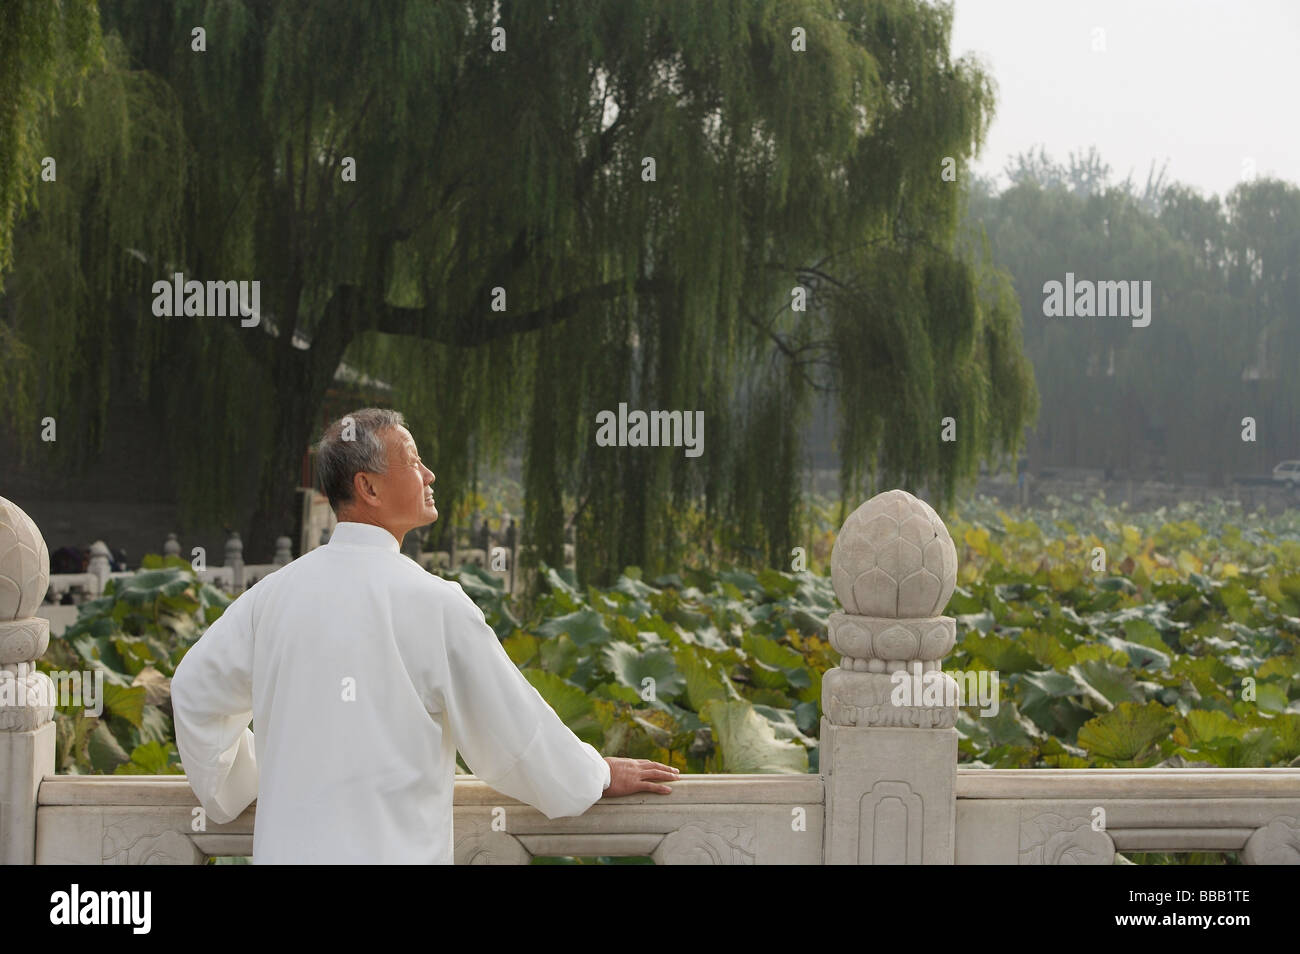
557 208
45 50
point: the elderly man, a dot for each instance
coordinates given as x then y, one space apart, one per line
363 675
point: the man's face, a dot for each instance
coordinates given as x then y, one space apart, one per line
406 488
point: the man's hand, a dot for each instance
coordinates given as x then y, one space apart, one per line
628 776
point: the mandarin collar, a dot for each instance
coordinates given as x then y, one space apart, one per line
350 534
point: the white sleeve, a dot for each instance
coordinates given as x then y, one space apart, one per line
508 734
212 703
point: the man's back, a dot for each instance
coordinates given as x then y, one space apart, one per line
363 675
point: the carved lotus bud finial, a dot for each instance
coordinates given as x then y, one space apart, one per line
24 564
24 577
893 558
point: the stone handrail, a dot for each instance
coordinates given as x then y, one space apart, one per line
889 788
1003 816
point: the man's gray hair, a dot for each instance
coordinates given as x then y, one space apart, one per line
350 445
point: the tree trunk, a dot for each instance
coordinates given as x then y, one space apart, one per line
277 493
302 379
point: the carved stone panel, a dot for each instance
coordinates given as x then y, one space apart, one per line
1048 838
484 847
715 842
144 840
891 821
1277 843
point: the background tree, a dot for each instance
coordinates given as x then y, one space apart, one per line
524 169
1171 396
45 49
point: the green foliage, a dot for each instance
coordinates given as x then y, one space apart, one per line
134 634
1137 665
713 676
1182 651
523 170
46 49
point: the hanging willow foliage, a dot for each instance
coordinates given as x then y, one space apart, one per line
46 49
525 171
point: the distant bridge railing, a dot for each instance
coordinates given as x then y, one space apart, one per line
67 591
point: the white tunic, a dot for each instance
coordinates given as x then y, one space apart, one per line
363 674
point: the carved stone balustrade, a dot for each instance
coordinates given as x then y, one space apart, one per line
26 696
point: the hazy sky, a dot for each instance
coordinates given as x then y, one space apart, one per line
1209 85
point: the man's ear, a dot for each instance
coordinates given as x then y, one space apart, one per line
363 488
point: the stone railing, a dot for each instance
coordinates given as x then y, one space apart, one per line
234 576
889 790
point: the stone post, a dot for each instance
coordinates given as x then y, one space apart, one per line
26 696
235 560
512 545
888 746
172 547
100 565
283 551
